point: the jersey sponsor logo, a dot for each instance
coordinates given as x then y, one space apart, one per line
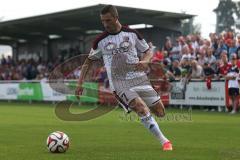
124 46
110 46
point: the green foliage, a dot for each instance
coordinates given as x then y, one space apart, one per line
228 12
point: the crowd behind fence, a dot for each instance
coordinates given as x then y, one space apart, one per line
204 57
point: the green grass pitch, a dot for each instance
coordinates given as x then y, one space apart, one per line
203 136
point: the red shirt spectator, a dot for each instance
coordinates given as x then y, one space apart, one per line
238 63
158 56
223 70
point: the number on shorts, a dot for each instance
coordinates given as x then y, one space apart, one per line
125 97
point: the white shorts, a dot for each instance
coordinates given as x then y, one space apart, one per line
144 91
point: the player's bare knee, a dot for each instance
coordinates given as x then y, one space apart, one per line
158 110
139 107
141 110
158 113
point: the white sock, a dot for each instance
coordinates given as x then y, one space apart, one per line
150 123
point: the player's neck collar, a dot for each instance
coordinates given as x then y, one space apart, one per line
116 32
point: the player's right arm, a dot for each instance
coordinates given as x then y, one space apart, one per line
94 54
84 69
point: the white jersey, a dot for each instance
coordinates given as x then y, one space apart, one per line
233 71
120 52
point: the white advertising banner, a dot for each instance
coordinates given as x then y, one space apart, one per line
50 95
9 91
197 93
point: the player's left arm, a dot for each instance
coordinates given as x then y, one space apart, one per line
147 56
142 47
143 63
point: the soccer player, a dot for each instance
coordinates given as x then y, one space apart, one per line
119 47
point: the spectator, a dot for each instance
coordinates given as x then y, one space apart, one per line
159 69
185 65
167 48
151 47
189 44
232 47
207 43
180 44
201 56
212 37
221 47
41 68
208 74
3 60
209 58
233 86
224 65
176 52
214 42
175 69
186 52
158 56
197 70
9 60
208 71
238 46
195 44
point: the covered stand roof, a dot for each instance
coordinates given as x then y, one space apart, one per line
77 22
